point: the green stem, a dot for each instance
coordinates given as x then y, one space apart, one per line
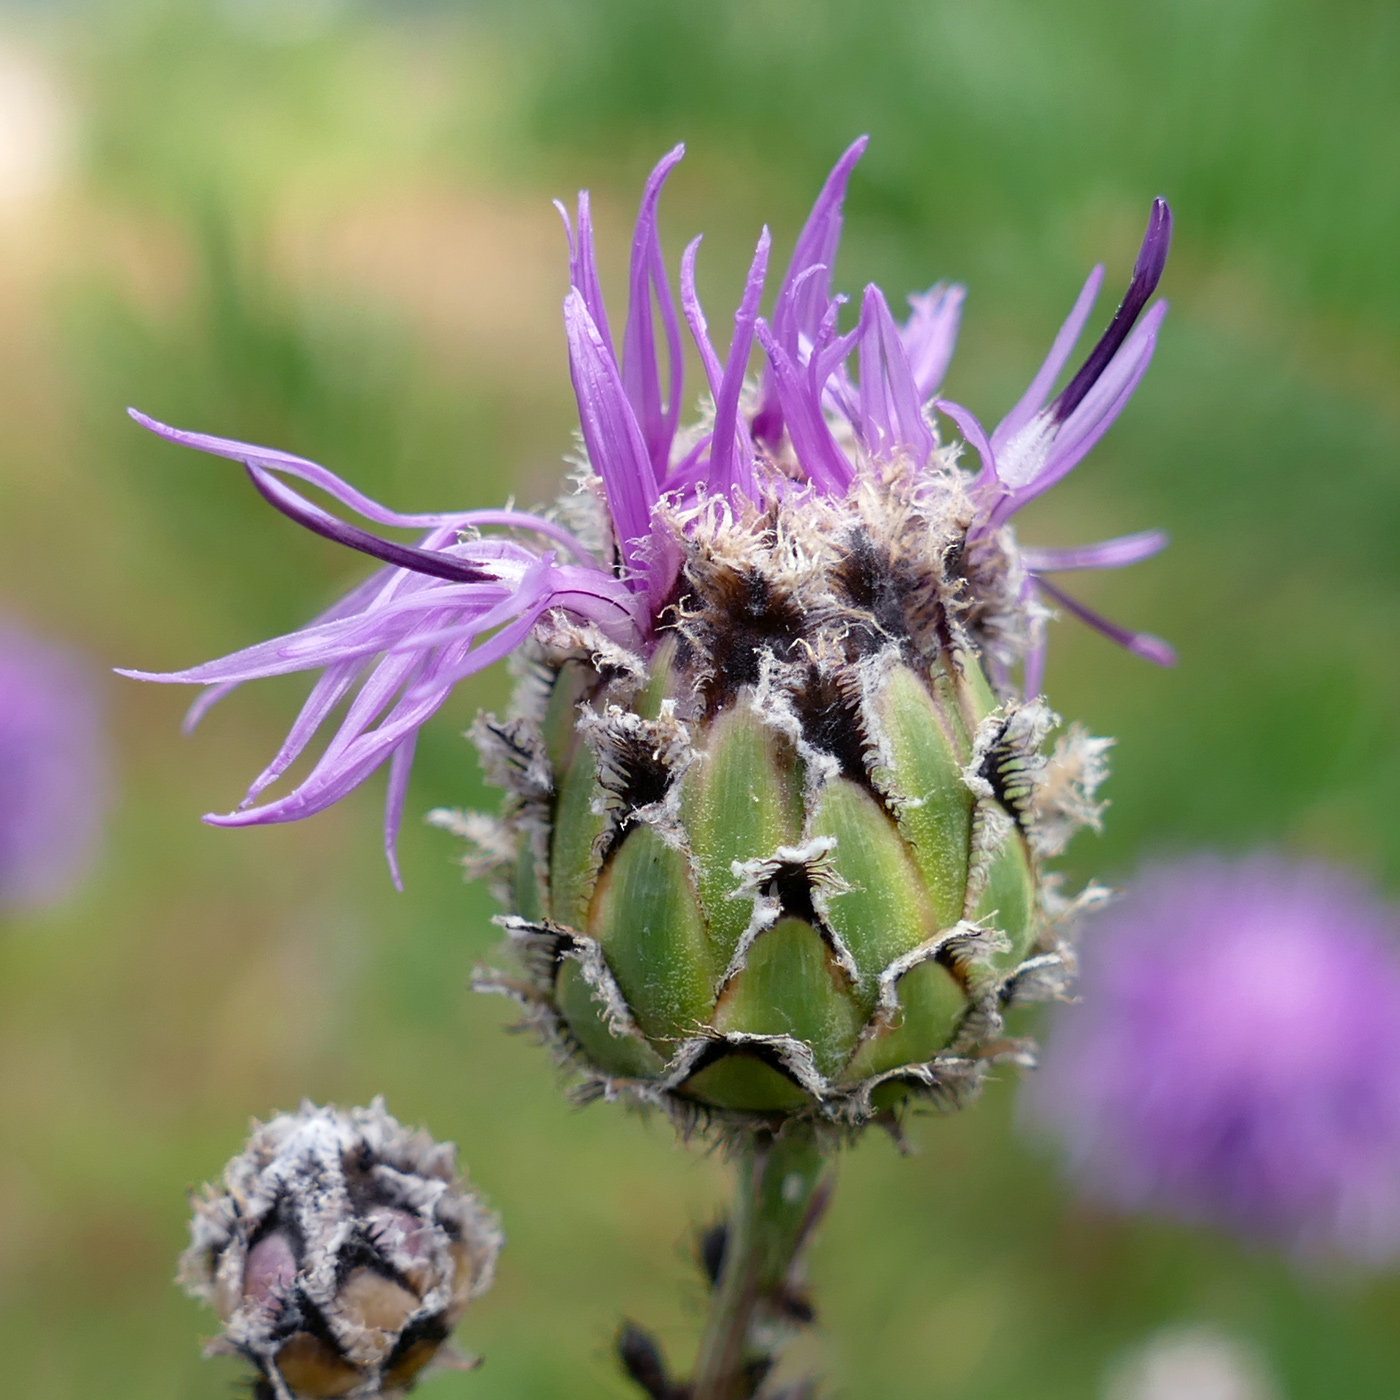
779 1196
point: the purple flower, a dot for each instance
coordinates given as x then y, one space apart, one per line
1234 1059
832 410
53 771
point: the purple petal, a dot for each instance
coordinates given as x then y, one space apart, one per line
731 455
1141 644
335 777
400 766
817 453
827 380
489 652
976 435
1034 398
930 334
889 399
695 317
1107 554
641 374
784 314
1062 447
330 689
424 671
1147 272
323 644
816 245
610 431
1034 664
274 461
583 265
320 522
202 703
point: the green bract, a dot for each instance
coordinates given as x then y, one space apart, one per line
788 863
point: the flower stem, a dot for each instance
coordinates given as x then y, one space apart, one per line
783 1187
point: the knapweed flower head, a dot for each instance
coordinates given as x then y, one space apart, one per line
340 1253
53 769
777 795
1233 1061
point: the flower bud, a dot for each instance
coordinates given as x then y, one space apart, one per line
791 863
340 1254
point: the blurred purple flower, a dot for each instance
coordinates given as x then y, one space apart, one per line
1235 1060
459 600
53 769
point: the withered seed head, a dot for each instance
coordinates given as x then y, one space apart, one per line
340 1254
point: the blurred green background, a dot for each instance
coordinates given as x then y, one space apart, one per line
326 226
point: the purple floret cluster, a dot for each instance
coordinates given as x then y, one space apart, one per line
1234 1060
825 411
52 769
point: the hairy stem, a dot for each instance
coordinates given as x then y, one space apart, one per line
782 1188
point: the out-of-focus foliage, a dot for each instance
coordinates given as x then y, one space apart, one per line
326 225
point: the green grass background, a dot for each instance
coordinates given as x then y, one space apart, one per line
327 226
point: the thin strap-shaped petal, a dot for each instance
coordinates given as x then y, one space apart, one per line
827 380
354 751
731 455
202 703
1061 349
1147 272
817 244
976 435
817 453
889 399
641 372
610 431
874 425
802 313
791 338
400 766
501 645
1105 400
1033 666
578 592
930 334
320 522
1068 445
537 524
695 317
1033 662
534 587
583 265
348 604
1107 554
1142 644
332 780
330 689
285 462
341 639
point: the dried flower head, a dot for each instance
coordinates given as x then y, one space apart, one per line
777 800
1234 1060
53 769
340 1254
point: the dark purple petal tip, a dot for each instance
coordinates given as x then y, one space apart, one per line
320 522
1147 272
